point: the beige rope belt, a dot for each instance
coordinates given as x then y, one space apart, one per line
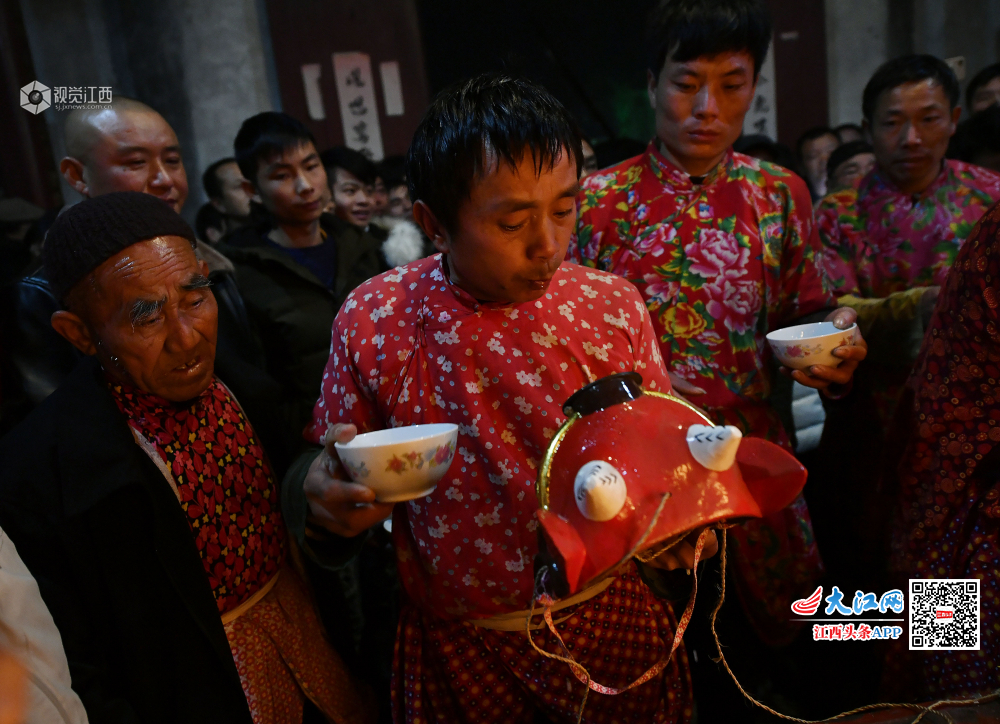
515 621
232 615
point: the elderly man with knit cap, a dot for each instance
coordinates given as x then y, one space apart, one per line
141 500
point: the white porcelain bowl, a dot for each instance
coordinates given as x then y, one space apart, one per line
805 345
401 463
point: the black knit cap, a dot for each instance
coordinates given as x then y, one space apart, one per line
86 235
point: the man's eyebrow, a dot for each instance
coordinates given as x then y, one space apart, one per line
125 150
143 309
197 281
571 191
511 205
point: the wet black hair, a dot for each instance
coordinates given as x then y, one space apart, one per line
354 162
472 127
909 69
689 29
210 180
264 136
978 80
846 152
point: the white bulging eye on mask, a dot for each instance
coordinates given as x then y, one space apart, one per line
599 490
714 447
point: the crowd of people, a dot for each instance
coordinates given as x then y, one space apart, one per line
179 541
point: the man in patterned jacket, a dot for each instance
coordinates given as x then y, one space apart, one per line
723 249
141 500
493 334
890 243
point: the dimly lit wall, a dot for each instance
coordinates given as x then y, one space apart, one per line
203 65
586 52
863 34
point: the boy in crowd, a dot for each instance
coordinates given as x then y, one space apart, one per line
492 334
223 183
983 90
813 150
358 191
850 163
297 266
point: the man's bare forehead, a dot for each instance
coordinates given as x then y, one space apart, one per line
151 263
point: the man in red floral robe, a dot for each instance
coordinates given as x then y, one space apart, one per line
723 249
494 334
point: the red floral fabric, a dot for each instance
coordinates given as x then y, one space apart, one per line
411 348
453 672
949 524
224 482
720 264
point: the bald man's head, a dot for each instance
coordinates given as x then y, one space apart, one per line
128 147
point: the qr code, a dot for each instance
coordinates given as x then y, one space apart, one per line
944 614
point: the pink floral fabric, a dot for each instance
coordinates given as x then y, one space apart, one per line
411 348
719 265
879 240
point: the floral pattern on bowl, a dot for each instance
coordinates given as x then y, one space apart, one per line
401 463
413 460
802 350
357 472
805 345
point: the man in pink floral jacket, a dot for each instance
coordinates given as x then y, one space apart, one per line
723 249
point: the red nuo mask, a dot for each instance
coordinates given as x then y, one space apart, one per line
632 470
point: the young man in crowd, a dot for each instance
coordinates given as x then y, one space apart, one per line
226 192
977 140
142 501
128 147
358 199
848 164
983 90
392 171
297 266
899 231
492 334
352 185
723 250
813 150
849 132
